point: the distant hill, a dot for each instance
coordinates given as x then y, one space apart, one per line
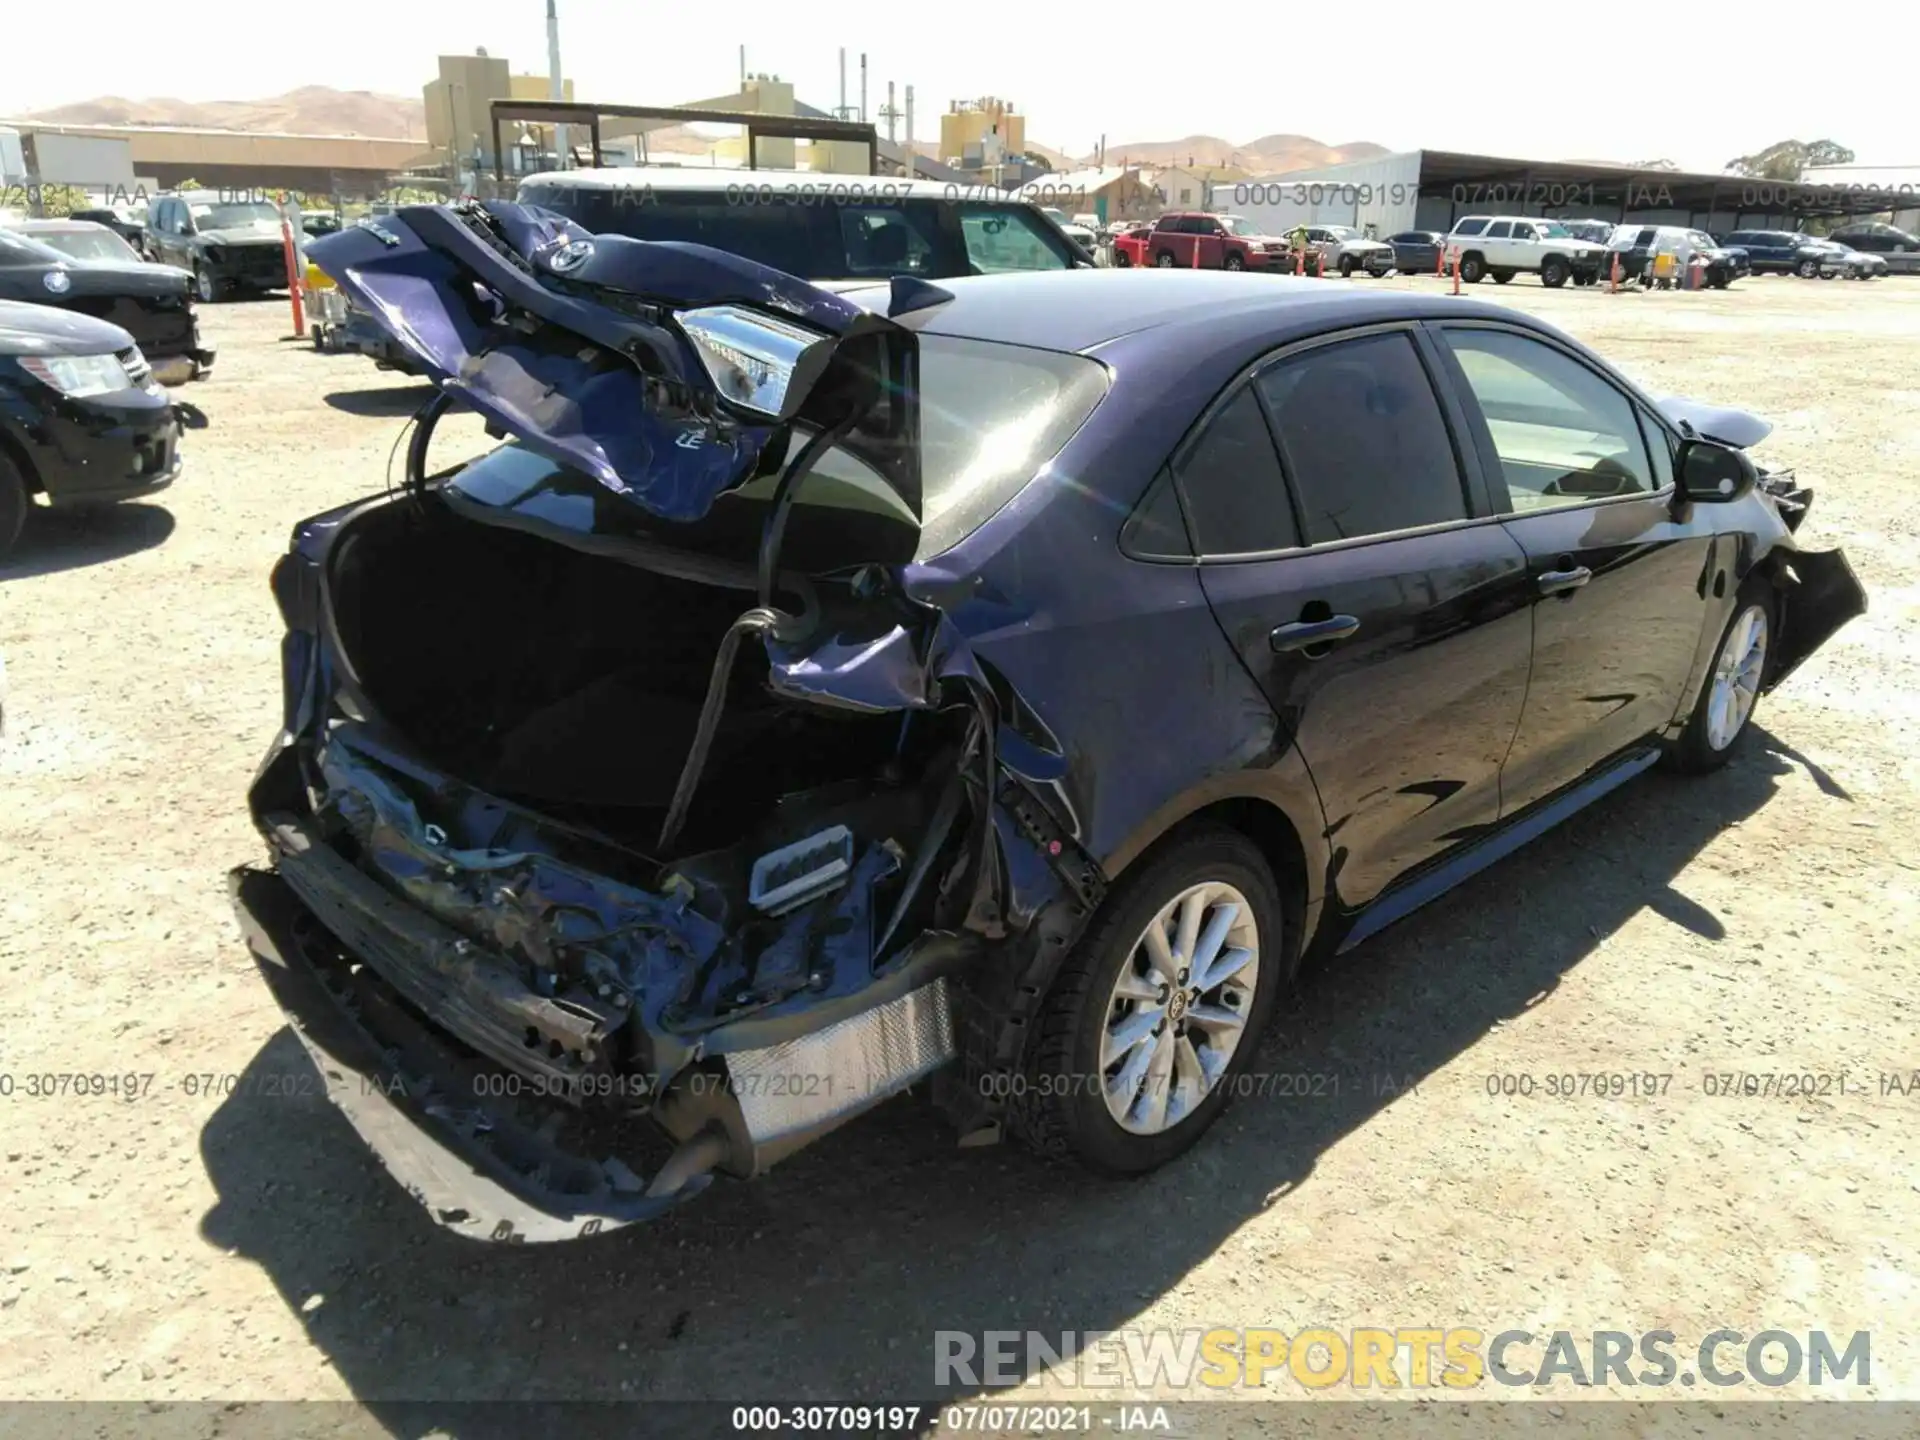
310 110
1268 155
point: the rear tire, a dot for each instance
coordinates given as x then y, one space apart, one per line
1163 260
1346 267
1091 1033
1724 710
13 504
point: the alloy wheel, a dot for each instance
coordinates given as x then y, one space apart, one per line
1736 677
1179 1008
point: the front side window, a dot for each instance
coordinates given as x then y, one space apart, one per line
1563 435
1500 230
1236 496
1470 227
1363 439
999 240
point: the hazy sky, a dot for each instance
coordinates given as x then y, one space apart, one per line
1404 76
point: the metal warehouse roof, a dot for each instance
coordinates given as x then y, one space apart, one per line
1506 182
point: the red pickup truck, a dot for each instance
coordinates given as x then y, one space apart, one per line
1224 242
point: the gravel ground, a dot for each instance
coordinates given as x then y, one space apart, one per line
224 1236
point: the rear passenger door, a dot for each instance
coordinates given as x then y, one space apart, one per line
1354 567
1619 594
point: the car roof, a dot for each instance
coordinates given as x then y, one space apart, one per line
806 183
1080 310
58 227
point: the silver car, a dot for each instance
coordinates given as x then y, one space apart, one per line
1343 248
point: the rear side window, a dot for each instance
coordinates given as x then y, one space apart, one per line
1363 439
1236 496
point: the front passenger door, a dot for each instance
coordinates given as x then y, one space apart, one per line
1620 592
1351 568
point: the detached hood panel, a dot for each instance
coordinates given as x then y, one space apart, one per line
568 341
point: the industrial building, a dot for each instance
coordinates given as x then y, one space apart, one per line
124 159
1431 189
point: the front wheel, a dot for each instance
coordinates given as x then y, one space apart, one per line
1472 269
1155 1017
1121 261
1235 260
1554 272
1806 269
1346 267
1720 715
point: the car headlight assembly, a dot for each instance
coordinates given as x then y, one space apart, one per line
758 363
78 376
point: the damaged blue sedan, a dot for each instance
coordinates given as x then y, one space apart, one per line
1002 685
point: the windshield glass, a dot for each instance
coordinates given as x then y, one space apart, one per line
923 236
1553 230
88 244
230 216
18 249
1700 240
1239 225
991 417
1341 232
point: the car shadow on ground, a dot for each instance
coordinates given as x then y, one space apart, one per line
66 539
386 403
827 1279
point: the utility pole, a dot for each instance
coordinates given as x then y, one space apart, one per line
912 166
863 87
889 114
556 87
840 110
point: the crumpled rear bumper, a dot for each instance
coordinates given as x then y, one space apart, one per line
475 1163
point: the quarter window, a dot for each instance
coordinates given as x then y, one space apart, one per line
1564 436
1363 440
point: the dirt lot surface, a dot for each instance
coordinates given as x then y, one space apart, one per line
225 1236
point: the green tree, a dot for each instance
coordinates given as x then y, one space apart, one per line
1790 159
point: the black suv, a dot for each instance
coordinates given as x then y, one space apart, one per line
1782 252
228 242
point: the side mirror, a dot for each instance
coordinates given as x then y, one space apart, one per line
1715 474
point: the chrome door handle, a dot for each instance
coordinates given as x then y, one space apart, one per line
1304 634
1558 582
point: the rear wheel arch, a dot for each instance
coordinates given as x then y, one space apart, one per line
1294 844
